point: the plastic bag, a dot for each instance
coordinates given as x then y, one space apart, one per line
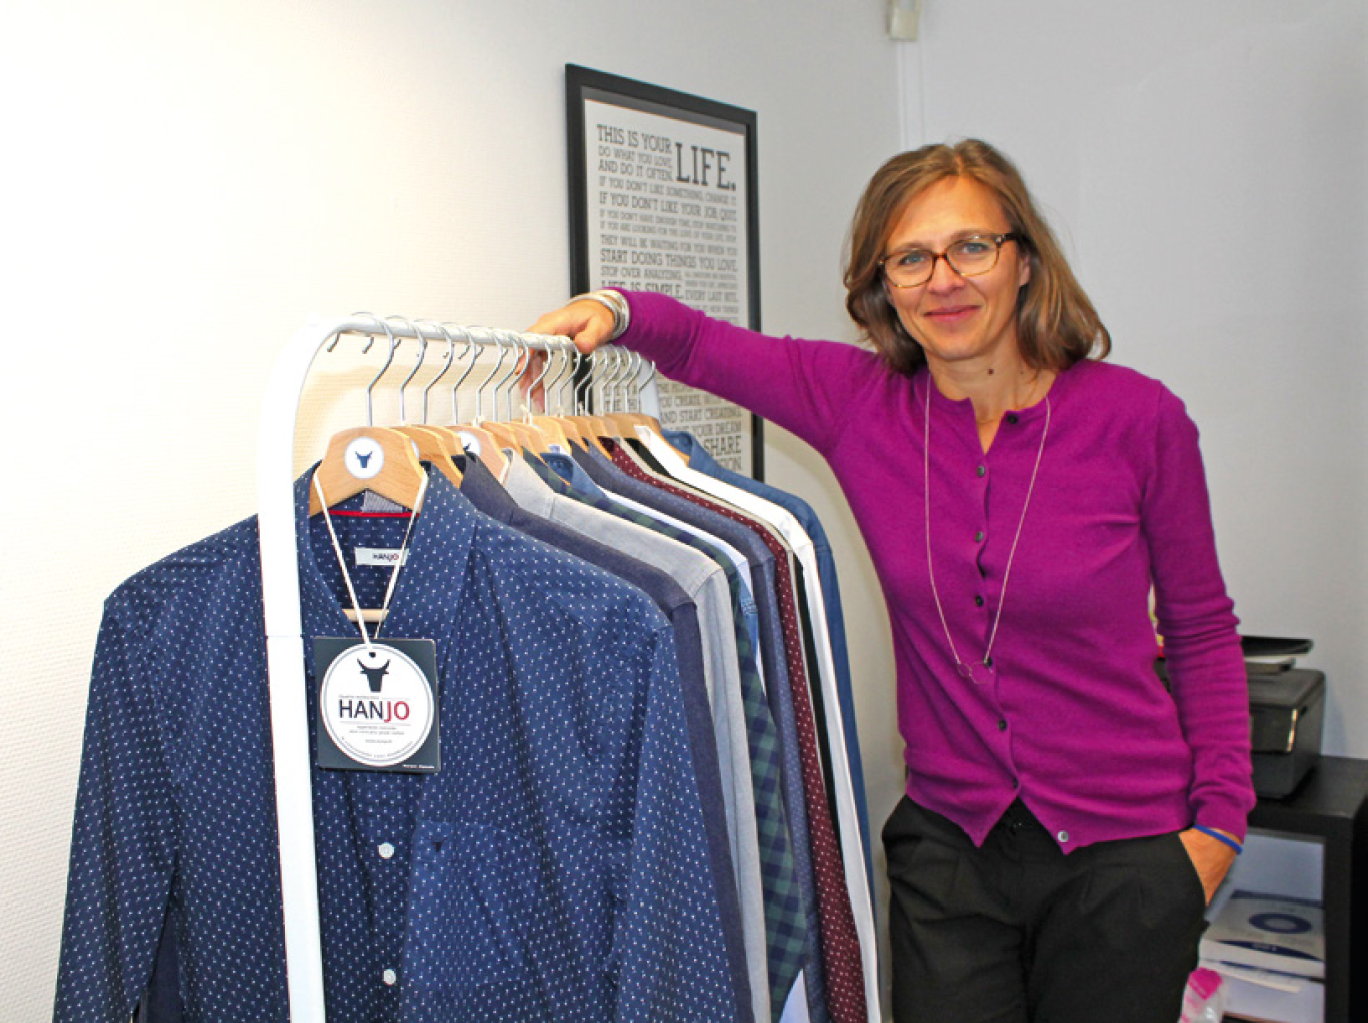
1204 1001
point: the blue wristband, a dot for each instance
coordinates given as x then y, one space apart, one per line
1219 837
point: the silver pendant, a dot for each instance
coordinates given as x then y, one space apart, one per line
979 674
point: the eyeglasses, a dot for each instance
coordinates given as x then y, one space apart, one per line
968 257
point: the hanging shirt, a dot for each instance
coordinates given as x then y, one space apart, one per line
665 468
488 496
556 867
849 969
702 460
573 482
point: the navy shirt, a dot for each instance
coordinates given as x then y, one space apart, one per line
555 868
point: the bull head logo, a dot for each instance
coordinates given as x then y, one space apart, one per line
374 675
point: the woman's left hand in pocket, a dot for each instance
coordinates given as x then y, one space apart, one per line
1212 858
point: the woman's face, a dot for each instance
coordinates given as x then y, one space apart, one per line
965 322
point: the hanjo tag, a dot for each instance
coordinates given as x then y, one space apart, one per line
377 705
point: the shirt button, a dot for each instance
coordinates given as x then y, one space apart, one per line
1012 418
1002 726
1063 836
385 850
978 600
982 469
978 537
390 977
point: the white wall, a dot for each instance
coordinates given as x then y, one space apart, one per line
1205 165
185 183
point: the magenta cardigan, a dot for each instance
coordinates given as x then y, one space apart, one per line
1077 724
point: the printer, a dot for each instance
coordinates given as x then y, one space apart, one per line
1286 719
1286 713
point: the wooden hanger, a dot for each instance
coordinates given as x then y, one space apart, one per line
477 442
370 457
400 478
434 446
381 460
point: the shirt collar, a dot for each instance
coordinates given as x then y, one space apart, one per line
569 469
528 489
692 448
427 597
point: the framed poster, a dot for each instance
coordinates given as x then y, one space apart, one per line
663 198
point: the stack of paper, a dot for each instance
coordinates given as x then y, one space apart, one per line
1271 932
1271 950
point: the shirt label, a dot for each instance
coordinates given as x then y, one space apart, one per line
377 706
379 556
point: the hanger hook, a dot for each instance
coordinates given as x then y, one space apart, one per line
650 372
422 354
628 373
563 376
638 362
613 358
470 344
541 377
450 358
572 361
620 382
393 346
506 384
479 390
583 388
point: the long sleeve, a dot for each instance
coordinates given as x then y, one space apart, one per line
807 387
667 946
123 843
1197 621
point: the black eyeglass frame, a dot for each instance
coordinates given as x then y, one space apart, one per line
998 241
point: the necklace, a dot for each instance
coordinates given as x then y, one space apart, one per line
982 672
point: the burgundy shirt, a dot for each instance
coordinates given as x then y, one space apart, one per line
1075 722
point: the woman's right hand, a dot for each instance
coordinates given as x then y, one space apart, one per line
584 321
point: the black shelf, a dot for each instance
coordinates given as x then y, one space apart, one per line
1332 805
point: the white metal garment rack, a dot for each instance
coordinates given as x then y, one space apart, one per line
284 631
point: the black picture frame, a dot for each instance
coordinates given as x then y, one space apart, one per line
728 285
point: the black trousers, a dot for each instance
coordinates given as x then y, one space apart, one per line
1017 932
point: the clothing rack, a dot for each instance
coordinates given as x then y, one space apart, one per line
284 624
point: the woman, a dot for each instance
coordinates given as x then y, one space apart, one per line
1067 814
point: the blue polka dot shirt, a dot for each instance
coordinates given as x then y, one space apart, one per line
554 869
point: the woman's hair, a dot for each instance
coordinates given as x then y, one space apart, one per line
1056 323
